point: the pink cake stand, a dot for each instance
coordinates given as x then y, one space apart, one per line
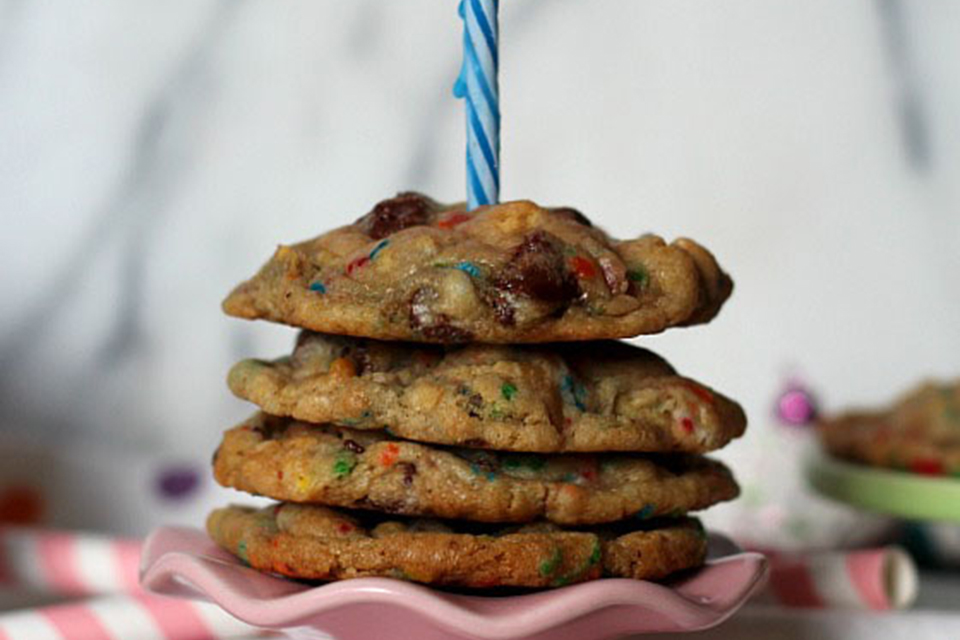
184 562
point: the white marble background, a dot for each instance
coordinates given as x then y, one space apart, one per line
152 154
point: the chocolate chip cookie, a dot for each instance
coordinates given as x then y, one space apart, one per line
920 433
600 396
414 270
337 466
317 543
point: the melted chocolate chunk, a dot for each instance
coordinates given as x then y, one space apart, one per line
573 214
420 307
385 506
409 470
362 361
354 446
474 405
537 270
271 427
677 465
431 325
503 309
398 213
446 333
482 462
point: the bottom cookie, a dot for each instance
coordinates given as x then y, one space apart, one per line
318 543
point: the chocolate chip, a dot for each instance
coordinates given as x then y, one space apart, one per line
270 428
447 333
573 214
420 307
362 361
503 309
409 470
537 270
385 506
474 404
676 465
354 446
484 462
398 213
431 325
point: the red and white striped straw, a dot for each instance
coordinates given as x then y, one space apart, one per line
878 579
68 563
124 617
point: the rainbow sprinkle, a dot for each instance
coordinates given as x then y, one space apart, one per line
242 552
639 275
508 390
344 464
574 392
595 554
389 455
529 461
319 287
647 511
377 249
551 564
469 268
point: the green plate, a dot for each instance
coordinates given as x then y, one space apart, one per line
894 493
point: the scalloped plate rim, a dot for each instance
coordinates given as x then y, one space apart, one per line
440 609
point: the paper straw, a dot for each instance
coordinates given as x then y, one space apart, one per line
124 617
67 563
877 579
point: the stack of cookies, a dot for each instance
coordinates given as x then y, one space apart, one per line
456 411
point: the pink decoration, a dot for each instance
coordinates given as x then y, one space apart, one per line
797 406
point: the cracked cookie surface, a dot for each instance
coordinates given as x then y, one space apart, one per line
601 396
342 467
415 270
317 543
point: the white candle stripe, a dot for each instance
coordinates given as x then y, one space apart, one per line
484 170
123 617
27 625
20 554
483 94
482 107
96 565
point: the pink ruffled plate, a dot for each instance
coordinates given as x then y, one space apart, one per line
184 562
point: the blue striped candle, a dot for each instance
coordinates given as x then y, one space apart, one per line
478 84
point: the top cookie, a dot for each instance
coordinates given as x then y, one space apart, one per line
920 433
414 270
